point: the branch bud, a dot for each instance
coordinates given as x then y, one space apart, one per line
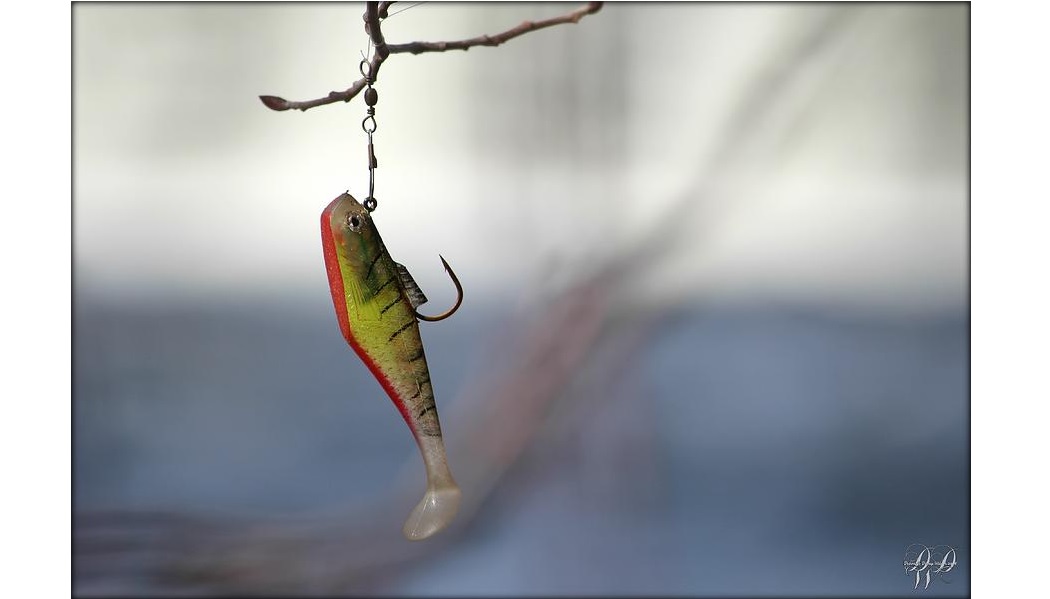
274 103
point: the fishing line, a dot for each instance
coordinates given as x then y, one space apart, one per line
404 9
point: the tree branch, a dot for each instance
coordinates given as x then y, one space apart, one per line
499 38
375 11
374 29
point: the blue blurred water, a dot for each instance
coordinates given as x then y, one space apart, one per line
746 451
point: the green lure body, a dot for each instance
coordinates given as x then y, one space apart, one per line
375 301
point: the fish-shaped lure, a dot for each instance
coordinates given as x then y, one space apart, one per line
375 302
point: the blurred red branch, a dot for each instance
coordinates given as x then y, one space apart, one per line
357 549
376 11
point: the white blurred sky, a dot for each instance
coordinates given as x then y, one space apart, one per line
837 176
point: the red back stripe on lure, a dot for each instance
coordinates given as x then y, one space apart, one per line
335 277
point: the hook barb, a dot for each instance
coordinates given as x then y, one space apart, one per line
459 296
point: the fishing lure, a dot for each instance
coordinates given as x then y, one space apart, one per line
375 302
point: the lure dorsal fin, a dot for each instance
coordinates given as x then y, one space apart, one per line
415 294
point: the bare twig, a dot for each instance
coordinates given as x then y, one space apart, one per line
376 11
499 38
280 104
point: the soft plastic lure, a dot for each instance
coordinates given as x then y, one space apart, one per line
375 302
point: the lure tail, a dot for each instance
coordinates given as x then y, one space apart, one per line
441 501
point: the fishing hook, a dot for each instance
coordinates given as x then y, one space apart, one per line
459 297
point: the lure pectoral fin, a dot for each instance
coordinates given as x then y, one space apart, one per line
416 297
376 310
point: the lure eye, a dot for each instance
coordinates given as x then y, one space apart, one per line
354 221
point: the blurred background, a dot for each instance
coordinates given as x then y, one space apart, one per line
715 338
